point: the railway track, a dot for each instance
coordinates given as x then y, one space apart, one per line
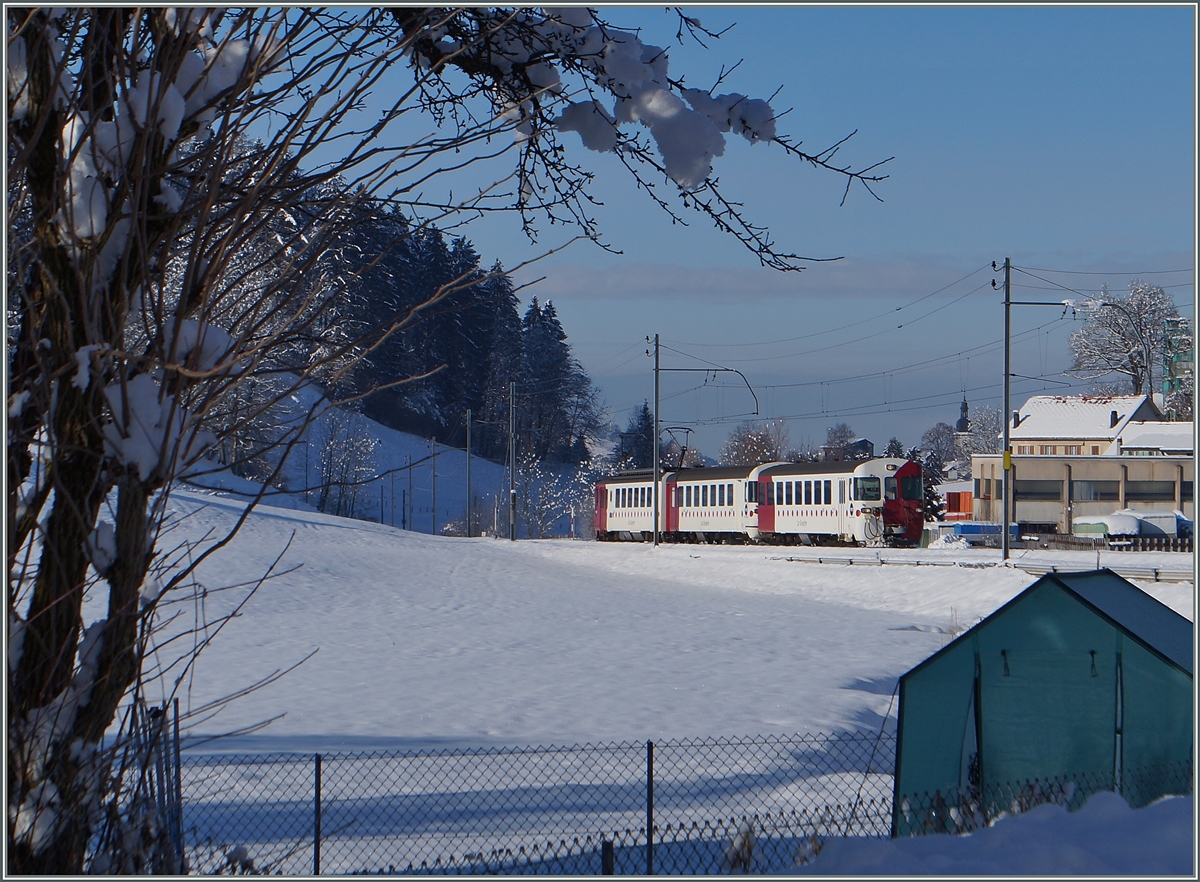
1139 572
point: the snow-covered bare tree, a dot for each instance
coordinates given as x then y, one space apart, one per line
984 437
839 435
179 183
345 460
1123 335
940 439
752 443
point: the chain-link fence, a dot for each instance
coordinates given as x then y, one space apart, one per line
753 805
748 805
954 811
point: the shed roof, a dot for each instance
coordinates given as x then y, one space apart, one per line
1133 610
1080 416
1152 623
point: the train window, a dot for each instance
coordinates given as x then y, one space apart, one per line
721 493
729 494
703 494
770 492
910 487
890 487
787 491
752 491
866 489
712 494
829 493
687 495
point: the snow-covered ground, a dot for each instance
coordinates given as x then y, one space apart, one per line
1104 838
425 641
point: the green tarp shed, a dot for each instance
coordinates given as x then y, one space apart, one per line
1083 682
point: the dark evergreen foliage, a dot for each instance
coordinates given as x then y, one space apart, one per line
459 342
934 506
637 441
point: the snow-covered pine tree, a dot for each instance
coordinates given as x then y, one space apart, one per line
894 447
933 506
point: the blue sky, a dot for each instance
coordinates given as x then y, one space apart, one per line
1062 137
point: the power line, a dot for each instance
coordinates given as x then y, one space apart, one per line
842 327
1110 272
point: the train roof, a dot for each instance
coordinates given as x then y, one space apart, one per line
720 473
812 468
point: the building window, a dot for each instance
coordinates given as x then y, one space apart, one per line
1073 449
1095 450
1185 492
1149 491
1048 449
1095 491
1038 491
1024 450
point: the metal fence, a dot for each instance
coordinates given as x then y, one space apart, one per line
744 805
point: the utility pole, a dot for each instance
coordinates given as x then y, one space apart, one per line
409 502
468 473
512 462
654 441
1006 495
433 505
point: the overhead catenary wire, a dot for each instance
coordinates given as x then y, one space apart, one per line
889 313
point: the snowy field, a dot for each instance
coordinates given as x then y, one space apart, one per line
427 642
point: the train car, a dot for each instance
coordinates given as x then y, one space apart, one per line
707 505
625 507
817 503
838 502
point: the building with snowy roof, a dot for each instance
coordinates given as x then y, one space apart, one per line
1087 456
1081 683
1076 425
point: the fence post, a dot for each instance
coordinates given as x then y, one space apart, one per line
317 815
649 808
178 819
607 858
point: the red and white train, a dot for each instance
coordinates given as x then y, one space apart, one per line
811 503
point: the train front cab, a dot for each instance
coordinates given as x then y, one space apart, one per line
903 499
